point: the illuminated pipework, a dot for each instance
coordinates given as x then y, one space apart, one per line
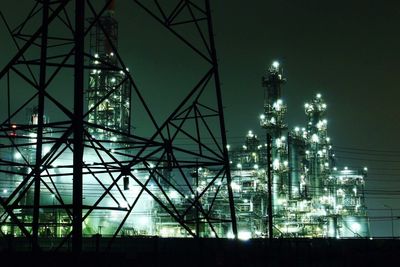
109 90
315 111
318 151
338 208
273 118
307 202
315 200
274 115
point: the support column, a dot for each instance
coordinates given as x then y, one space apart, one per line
269 177
221 118
39 133
78 126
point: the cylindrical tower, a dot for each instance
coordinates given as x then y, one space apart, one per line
273 118
318 153
273 121
296 157
109 92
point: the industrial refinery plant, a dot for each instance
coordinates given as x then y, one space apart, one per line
68 173
310 196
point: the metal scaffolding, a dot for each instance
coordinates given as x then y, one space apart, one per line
85 172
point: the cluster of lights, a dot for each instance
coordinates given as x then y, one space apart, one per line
316 106
276 164
271 118
300 132
250 134
315 138
280 141
321 125
278 105
235 186
274 114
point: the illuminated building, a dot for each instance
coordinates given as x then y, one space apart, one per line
310 196
85 173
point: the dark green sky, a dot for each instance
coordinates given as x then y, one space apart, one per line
346 50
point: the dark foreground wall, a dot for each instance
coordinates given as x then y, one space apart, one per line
210 252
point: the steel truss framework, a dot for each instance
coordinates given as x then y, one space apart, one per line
47 53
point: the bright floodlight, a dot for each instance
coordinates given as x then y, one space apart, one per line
275 64
315 138
244 235
17 155
355 227
318 95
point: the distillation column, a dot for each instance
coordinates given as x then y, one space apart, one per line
109 93
273 121
318 152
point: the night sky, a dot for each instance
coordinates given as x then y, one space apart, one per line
346 50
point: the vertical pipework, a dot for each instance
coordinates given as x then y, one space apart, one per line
273 121
115 113
197 197
217 82
269 177
78 126
290 165
295 159
130 109
318 143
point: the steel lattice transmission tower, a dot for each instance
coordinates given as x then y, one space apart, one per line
73 175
